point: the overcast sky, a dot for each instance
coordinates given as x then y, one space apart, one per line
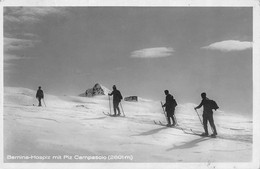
145 50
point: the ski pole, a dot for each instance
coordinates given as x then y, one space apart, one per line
199 116
122 108
44 102
164 113
109 105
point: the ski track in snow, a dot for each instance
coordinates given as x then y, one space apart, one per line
76 125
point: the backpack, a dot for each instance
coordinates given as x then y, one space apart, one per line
121 97
213 105
173 102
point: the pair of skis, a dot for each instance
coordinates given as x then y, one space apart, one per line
186 131
160 123
111 115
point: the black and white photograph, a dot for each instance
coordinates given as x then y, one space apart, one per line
147 85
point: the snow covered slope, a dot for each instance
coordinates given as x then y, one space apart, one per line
76 127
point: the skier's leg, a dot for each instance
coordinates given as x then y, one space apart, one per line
174 117
169 121
173 120
114 106
205 125
118 109
39 99
211 122
168 118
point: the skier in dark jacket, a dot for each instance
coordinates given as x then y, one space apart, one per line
207 115
170 105
117 97
39 95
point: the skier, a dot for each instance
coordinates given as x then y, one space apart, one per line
117 97
39 95
170 105
207 115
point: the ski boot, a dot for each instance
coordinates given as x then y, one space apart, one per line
204 135
168 125
213 135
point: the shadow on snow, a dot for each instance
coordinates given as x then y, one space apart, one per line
190 144
150 132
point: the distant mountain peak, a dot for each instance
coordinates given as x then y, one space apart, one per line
95 91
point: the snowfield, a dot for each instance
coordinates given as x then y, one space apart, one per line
74 129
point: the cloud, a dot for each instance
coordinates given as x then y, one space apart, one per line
42 11
30 35
18 20
8 67
158 52
229 45
30 14
8 57
12 44
18 23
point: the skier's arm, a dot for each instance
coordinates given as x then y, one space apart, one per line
199 106
166 102
110 94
